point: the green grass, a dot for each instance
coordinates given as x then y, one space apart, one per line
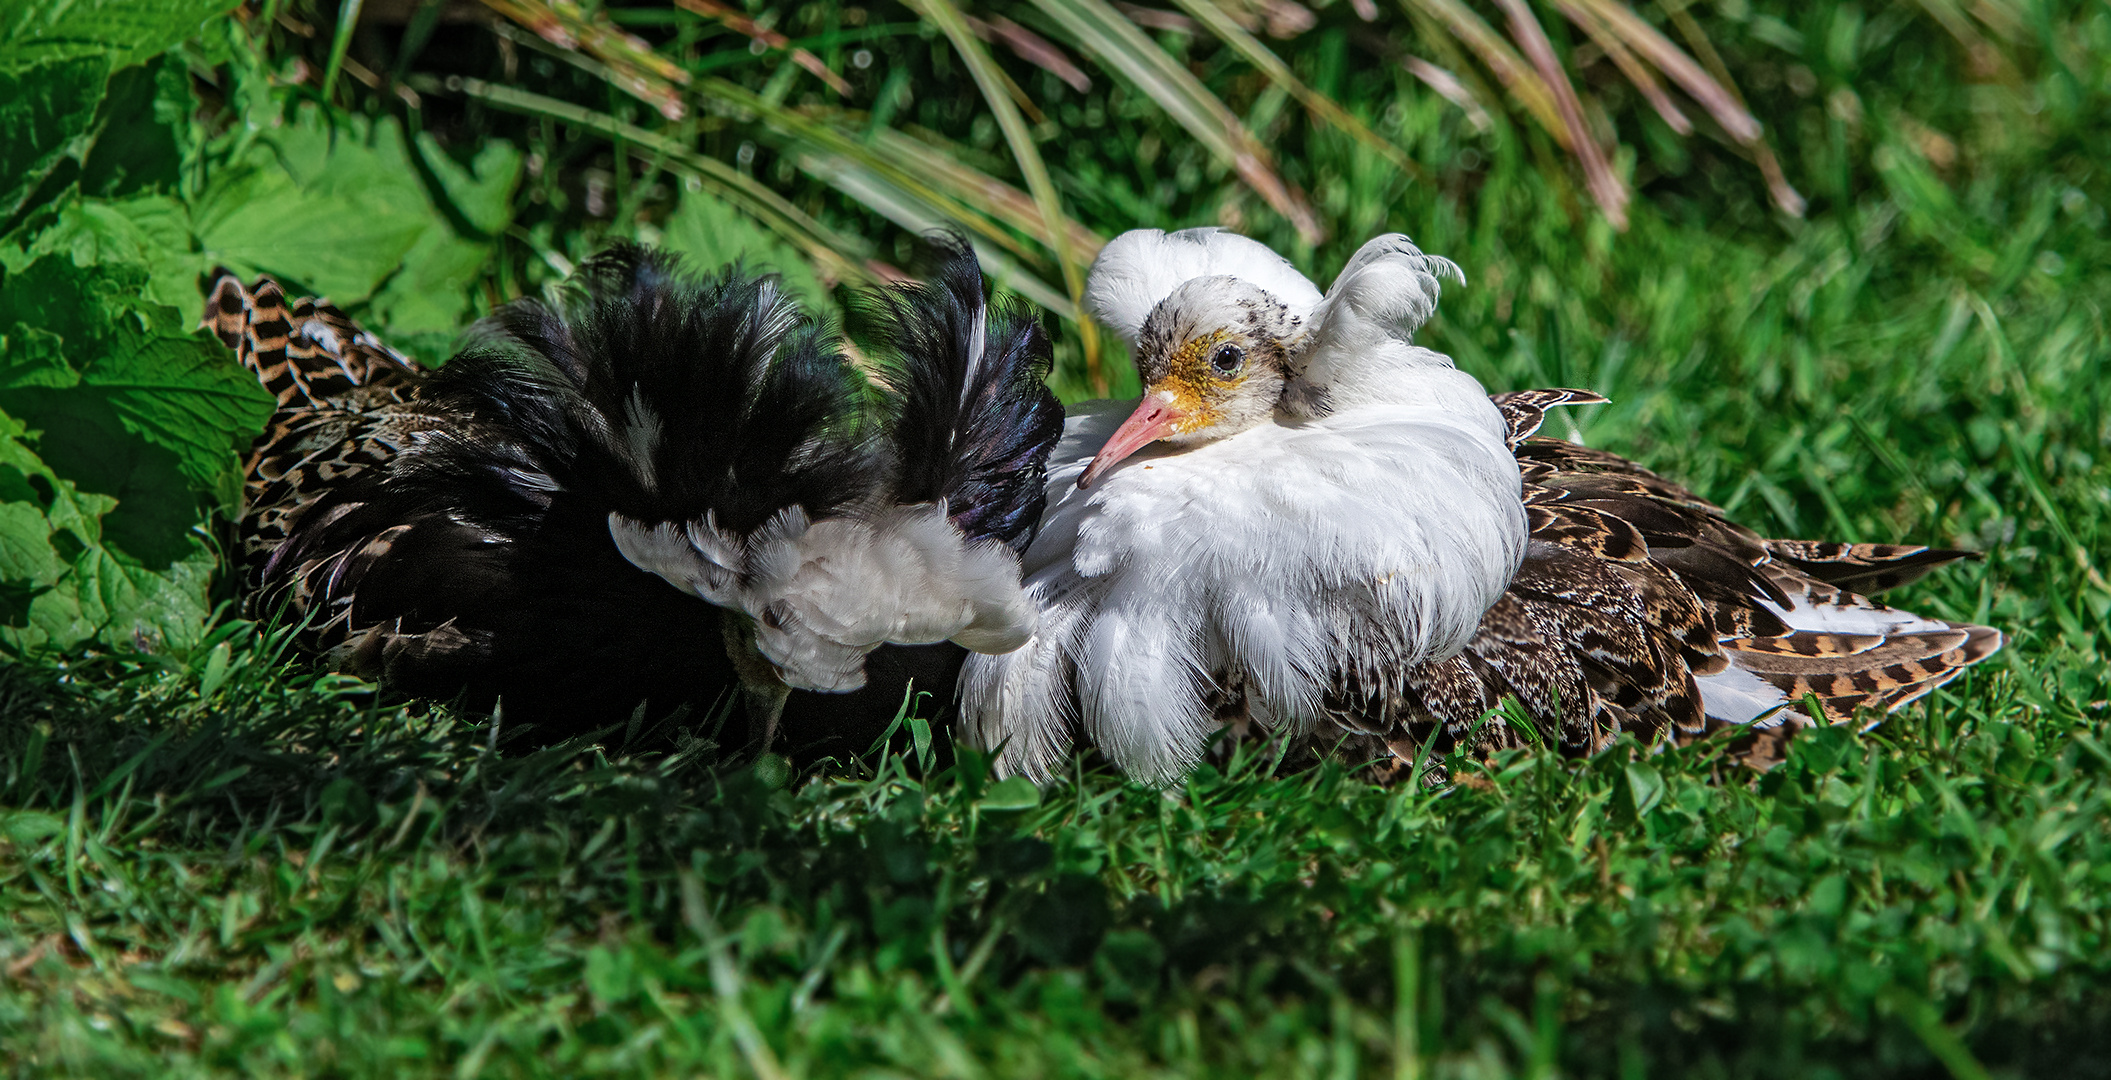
269 879
216 862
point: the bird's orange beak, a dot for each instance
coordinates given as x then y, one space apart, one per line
1154 419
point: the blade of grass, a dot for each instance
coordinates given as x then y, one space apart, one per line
908 171
1714 94
1624 58
875 193
1605 186
726 981
996 92
903 170
341 43
1510 69
1121 45
1784 195
1003 201
1450 88
632 66
828 248
1032 48
1218 22
741 24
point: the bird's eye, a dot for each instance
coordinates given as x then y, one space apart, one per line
1226 360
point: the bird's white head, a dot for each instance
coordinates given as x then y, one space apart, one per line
1227 334
1214 358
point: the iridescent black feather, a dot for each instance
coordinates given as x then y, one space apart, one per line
686 394
975 419
478 559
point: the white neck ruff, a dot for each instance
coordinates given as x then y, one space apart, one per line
1287 557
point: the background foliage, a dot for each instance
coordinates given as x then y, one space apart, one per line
1877 312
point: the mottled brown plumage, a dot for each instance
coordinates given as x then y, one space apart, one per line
344 406
1631 588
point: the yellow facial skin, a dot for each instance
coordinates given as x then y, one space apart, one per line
1192 388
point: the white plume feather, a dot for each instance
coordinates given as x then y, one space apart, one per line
1361 336
1141 267
826 593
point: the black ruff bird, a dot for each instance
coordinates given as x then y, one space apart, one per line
650 492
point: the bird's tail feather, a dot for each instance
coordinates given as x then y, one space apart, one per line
1864 568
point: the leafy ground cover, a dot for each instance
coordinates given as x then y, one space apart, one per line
214 861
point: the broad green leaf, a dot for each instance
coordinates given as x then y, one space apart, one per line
1012 793
125 31
481 190
64 506
331 209
25 536
135 142
710 233
121 603
151 232
59 584
424 303
130 405
1645 787
29 826
45 116
183 394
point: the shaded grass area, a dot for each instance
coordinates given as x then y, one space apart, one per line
267 878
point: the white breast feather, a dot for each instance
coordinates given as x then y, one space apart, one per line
1283 552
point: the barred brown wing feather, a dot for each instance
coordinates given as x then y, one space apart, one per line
305 352
345 406
1864 568
1634 592
305 454
1849 673
1524 410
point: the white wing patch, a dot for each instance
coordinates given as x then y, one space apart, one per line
824 594
696 557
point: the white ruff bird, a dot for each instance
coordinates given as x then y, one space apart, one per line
1311 524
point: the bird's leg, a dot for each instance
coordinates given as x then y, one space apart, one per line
762 691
